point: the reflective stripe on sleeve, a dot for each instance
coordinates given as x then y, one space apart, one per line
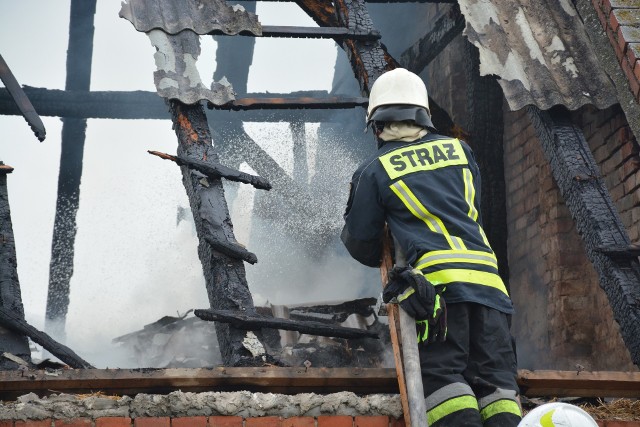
448 256
434 223
469 276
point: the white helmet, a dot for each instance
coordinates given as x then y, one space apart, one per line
557 415
398 87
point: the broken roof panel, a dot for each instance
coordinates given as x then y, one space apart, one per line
201 16
540 52
177 76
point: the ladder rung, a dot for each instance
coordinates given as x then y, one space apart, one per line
291 103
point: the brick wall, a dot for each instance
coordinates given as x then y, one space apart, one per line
620 19
563 318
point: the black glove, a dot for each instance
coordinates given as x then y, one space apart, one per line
419 298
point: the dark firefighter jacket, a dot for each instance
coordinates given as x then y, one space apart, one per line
428 192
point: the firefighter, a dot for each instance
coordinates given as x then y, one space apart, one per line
426 188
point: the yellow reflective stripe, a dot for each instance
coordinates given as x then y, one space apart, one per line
546 420
447 256
470 195
418 210
469 276
451 406
501 407
407 293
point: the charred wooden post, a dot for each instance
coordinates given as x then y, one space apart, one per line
10 297
257 322
226 282
486 126
596 217
368 58
79 56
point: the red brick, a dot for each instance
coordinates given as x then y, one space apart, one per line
263 422
373 421
636 70
6 423
633 51
189 422
77 422
397 423
299 422
622 423
152 422
603 15
220 421
634 84
34 423
335 421
113 422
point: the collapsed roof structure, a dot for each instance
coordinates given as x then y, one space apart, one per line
550 61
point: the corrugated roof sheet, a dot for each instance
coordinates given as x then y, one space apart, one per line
177 76
540 52
201 16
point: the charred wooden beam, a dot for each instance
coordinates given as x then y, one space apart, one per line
5 169
445 29
321 11
368 59
22 101
334 102
79 54
148 105
596 218
253 322
225 277
337 33
338 312
10 296
625 251
16 323
216 170
233 250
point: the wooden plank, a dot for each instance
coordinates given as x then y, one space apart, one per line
158 381
292 381
579 384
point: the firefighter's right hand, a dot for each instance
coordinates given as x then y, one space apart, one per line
412 291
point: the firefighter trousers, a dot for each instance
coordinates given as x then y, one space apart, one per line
470 378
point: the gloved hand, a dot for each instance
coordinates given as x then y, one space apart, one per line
420 300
